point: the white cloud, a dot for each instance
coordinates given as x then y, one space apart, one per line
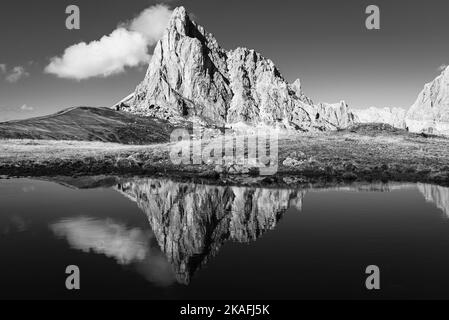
152 22
2 68
104 57
16 74
14 112
26 108
126 46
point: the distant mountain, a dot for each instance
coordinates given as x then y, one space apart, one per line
191 77
336 115
392 116
89 124
430 112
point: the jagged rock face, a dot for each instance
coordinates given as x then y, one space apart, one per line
192 221
430 112
186 75
337 115
261 95
297 90
392 116
191 76
124 103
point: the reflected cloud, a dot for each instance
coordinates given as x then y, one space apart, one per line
15 224
191 222
115 240
29 188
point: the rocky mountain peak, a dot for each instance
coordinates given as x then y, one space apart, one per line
445 72
296 86
430 112
178 20
190 76
392 116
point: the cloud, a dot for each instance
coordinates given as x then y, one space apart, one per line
127 246
104 57
16 74
126 46
28 188
106 237
151 23
2 68
12 112
26 108
14 224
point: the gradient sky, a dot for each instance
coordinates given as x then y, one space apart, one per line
323 42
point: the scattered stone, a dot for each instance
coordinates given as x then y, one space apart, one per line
298 155
219 169
238 169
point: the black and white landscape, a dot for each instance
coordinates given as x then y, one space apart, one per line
359 182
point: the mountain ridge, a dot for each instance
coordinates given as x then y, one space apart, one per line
430 112
89 124
190 76
246 87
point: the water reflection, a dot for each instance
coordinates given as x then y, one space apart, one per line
188 223
14 224
437 195
115 240
167 231
192 221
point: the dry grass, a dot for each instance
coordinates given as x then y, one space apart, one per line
89 124
370 155
39 150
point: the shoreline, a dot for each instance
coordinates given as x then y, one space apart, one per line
335 157
281 179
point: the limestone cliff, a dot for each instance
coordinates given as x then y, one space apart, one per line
430 112
392 116
191 77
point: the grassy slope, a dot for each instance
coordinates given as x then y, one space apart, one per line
89 124
361 153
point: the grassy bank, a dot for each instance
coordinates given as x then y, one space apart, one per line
364 153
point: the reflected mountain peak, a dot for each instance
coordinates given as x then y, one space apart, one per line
189 222
192 221
437 195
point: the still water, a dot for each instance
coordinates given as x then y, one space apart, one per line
150 238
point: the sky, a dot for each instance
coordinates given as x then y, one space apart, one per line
45 67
